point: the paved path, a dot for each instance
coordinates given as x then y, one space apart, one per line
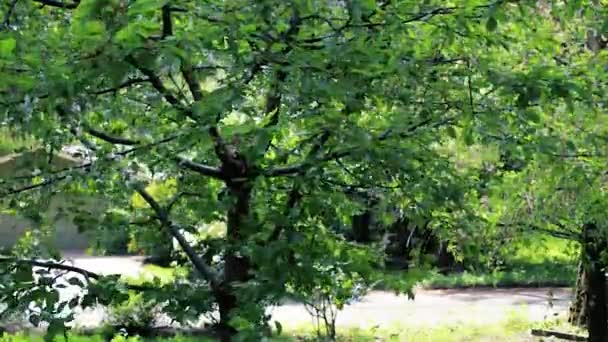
383 309
442 307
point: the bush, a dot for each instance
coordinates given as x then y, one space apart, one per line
136 316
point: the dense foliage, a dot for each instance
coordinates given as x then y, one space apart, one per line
253 132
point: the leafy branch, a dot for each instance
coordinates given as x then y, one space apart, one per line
199 168
311 162
63 174
62 267
163 216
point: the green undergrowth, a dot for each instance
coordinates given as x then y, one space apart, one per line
560 325
11 142
540 275
539 261
541 249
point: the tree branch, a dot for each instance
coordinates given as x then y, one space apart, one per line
50 264
199 264
199 168
156 82
59 3
7 16
125 84
273 101
292 201
110 138
340 154
63 267
565 233
298 168
191 81
64 176
33 186
167 23
303 166
179 196
557 334
65 114
387 134
557 234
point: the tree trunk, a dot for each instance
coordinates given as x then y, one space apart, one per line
162 255
445 259
595 279
236 266
577 314
398 249
361 227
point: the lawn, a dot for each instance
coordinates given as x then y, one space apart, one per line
514 328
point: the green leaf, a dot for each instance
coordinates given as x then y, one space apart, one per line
88 300
7 47
522 100
56 327
73 303
24 274
451 132
279 327
51 297
532 115
34 319
468 137
491 24
76 282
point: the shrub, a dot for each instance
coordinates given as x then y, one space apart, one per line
136 316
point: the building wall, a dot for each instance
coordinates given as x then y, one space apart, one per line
13 227
66 236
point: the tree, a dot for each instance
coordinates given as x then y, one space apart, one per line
560 190
258 115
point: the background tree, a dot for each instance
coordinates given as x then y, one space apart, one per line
560 190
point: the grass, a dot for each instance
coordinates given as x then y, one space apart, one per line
515 328
526 275
10 142
560 325
99 338
164 274
541 261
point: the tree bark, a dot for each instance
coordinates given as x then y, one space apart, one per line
445 259
361 227
399 249
162 255
236 266
577 314
595 278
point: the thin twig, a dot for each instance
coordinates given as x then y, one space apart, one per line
7 17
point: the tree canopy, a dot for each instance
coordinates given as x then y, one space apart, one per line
278 121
